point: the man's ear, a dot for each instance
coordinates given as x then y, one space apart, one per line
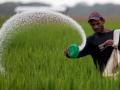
103 21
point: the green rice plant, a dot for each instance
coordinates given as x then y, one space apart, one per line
34 60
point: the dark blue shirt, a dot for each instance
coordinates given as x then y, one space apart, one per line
99 52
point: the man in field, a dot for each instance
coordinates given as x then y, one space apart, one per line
100 44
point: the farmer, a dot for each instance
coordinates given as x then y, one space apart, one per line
100 44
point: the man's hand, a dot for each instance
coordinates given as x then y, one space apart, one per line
105 44
66 52
108 42
72 51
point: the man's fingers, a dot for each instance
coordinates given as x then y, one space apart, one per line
109 42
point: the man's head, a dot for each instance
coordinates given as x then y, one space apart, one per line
97 22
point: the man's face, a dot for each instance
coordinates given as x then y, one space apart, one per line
97 25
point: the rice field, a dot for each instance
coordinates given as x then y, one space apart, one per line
34 60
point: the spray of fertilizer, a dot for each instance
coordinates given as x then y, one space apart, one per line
31 17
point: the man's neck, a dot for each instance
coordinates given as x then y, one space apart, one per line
104 31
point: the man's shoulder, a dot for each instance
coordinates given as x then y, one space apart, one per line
91 37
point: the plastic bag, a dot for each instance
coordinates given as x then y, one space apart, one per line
114 60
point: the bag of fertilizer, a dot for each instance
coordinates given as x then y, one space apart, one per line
114 60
